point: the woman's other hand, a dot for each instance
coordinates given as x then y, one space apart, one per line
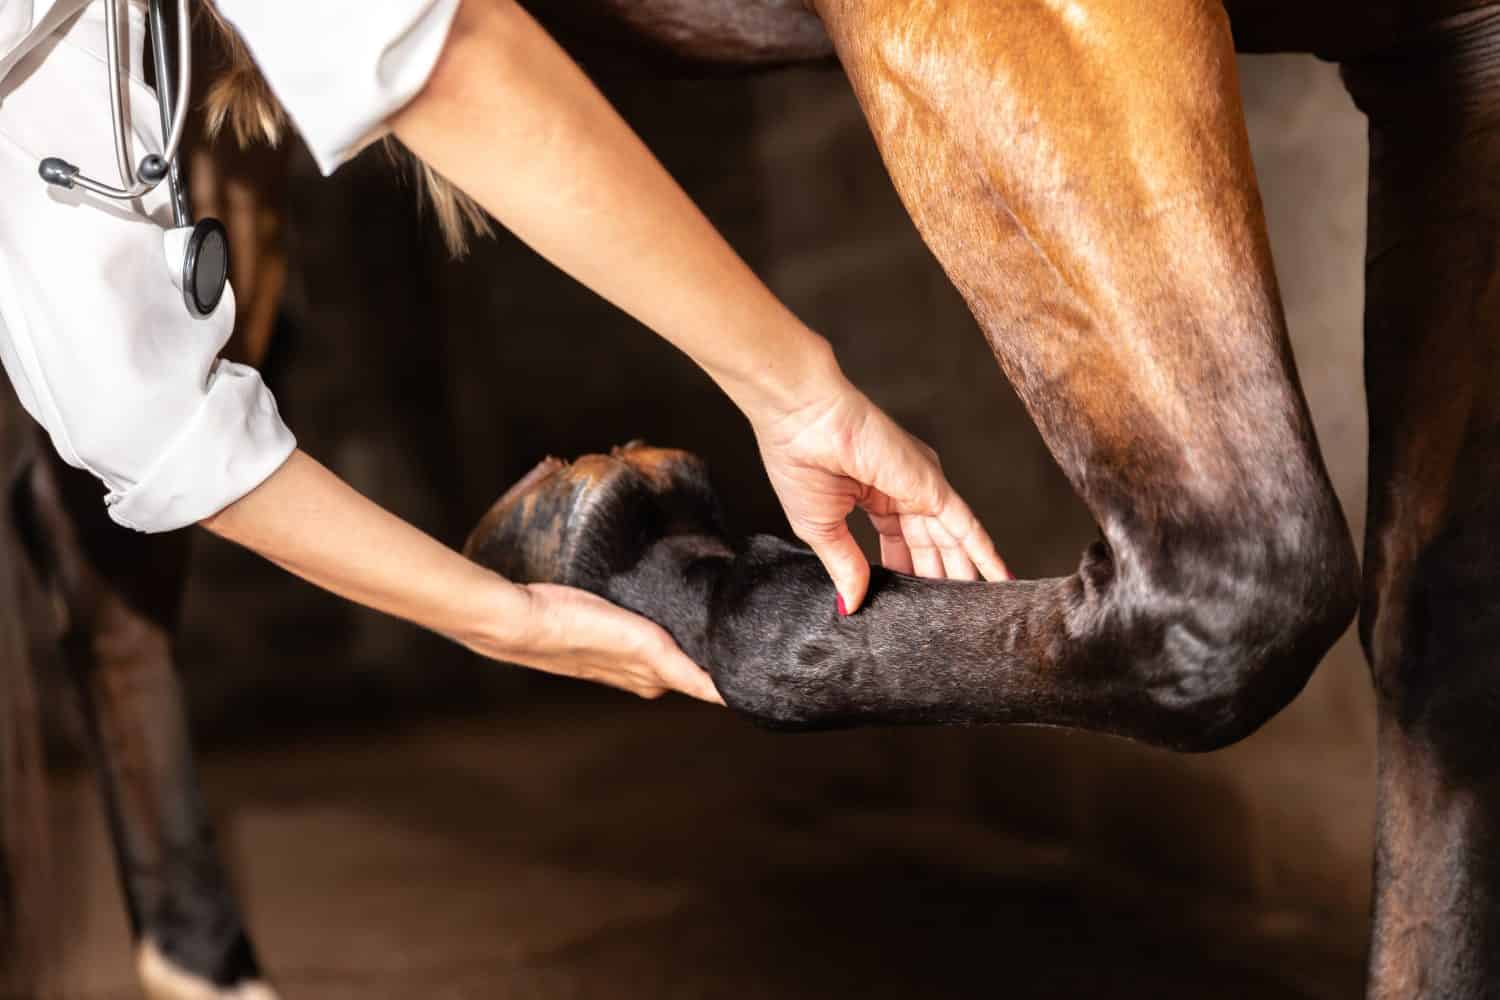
836 451
308 521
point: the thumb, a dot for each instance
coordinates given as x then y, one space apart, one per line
840 555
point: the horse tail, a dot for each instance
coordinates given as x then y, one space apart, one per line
239 100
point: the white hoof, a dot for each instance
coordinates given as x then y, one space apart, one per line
162 980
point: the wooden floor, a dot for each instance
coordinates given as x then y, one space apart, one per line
599 850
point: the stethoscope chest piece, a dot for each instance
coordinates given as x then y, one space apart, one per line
198 257
205 267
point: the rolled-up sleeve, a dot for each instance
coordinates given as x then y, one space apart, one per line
341 68
94 333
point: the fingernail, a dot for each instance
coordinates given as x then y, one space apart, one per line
843 608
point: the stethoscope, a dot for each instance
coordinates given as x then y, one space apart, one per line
203 248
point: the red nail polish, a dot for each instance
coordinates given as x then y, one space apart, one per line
843 610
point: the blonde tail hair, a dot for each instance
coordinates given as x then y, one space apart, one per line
239 99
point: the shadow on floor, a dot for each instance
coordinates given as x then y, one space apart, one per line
598 848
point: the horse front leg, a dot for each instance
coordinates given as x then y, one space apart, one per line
1431 617
119 593
1082 172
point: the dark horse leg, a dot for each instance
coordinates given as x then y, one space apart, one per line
1431 617
120 593
1109 238
28 892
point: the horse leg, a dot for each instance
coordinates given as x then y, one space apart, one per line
120 594
1431 616
28 894
1109 238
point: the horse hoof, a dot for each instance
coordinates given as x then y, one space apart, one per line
576 523
163 979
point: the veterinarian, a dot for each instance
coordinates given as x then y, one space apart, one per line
102 352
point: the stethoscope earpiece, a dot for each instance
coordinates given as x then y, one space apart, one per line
57 172
153 169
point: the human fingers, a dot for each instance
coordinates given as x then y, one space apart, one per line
925 558
841 557
959 523
956 562
894 554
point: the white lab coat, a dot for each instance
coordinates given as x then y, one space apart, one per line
93 331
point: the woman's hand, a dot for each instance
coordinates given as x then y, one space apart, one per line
572 633
840 451
307 520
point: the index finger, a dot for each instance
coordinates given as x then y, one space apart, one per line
894 555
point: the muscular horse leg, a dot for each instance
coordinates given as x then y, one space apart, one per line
120 593
1108 235
1431 618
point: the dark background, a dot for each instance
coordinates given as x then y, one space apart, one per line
432 385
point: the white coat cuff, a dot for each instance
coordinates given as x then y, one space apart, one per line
232 444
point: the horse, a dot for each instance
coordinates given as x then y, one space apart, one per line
1080 169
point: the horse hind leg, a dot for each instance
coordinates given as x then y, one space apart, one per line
119 593
1431 616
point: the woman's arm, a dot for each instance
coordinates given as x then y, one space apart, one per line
308 521
508 117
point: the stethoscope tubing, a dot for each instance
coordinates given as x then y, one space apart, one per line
173 112
173 109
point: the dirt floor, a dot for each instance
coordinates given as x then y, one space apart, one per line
598 849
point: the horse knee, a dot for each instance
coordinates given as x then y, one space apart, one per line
1223 632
